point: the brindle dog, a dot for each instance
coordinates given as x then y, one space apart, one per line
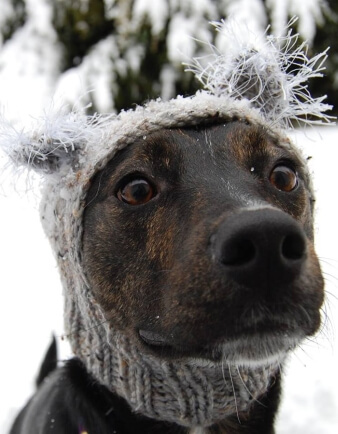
198 243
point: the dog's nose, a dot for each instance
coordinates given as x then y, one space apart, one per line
260 249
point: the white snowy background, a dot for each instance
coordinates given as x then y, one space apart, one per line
31 296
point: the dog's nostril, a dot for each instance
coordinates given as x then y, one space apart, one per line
293 247
240 252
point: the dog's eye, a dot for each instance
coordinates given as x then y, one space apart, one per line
284 178
136 192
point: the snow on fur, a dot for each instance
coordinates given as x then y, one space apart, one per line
271 72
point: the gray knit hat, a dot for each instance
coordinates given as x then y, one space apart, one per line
262 82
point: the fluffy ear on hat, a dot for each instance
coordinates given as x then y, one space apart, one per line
53 144
271 72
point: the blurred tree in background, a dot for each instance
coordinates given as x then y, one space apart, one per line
128 51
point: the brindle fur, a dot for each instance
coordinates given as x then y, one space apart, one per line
151 266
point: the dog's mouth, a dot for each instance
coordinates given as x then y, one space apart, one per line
153 339
249 345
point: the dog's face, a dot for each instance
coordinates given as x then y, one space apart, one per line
199 243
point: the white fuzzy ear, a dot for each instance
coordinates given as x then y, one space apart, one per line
54 144
271 72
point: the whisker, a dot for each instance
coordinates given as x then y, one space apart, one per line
233 390
247 389
297 355
331 276
97 191
328 261
331 294
67 335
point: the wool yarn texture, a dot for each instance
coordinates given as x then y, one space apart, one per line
258 81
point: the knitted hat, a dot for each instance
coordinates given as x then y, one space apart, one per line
262 81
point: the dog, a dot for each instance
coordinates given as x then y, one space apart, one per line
198 245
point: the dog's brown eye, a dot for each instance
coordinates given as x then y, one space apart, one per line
284 178
136 192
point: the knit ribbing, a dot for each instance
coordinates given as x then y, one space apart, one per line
180 391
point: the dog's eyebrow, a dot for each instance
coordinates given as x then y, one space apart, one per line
138 158
248 141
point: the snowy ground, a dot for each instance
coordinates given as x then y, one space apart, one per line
31 307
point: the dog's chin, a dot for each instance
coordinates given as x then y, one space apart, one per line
247 349
256 350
